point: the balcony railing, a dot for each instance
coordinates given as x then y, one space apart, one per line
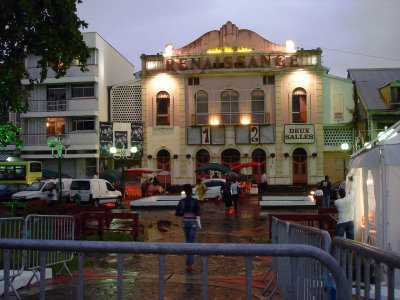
76 104
77 138
74 71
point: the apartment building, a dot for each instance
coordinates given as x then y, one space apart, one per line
73 107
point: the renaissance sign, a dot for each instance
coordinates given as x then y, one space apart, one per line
229 62
299 134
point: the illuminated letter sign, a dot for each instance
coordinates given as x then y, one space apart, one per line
299 134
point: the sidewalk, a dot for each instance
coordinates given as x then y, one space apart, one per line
226 275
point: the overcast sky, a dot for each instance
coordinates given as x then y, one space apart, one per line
363 27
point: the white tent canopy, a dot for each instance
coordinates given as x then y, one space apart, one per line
377 191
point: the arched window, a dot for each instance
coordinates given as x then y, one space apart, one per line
230 107
299 107
257 106
201 100
202 158
230 157
163 108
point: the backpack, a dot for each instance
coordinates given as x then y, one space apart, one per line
239 190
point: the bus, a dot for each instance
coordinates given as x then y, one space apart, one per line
20 171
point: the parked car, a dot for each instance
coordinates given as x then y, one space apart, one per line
41 190
94 192
213 188
8 189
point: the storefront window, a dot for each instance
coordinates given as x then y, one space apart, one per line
299 108
230 107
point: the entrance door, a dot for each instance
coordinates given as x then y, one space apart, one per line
202 158
259 155
299 166
164 163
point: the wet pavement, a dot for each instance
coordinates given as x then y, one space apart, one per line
226 275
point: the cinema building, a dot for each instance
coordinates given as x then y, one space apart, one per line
232 96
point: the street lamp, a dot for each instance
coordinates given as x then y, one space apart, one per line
123 154
60 145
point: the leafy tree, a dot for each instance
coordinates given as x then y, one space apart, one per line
48 29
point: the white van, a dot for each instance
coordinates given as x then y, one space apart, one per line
94 191
41 190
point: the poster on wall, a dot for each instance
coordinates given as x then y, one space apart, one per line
121 139
106 138
137 138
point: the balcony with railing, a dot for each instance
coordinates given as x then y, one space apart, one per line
74 71
78 138
75 104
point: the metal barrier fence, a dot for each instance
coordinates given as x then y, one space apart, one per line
378 267
38 227
309 275
49 227
12 228
294 252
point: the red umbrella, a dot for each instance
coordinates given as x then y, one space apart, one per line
142 171
244 165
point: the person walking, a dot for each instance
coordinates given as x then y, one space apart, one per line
235 193
201 188
215 175
345 207
263 185
189 209
226 194
325 186
144 187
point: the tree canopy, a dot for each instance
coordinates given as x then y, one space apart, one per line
48 29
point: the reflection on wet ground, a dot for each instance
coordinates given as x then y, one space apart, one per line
226 275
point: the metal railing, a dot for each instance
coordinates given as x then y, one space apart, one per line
37 227
378 268
75 104
248 251
77 138
12 228
309 275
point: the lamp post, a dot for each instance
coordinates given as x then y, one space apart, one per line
60 145
344 148
123 154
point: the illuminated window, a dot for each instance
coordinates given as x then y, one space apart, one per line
56 97
299 108
163 108
257 106
201 99
230 107
82 90
55 126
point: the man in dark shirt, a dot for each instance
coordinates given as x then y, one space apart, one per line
325 186
189 209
